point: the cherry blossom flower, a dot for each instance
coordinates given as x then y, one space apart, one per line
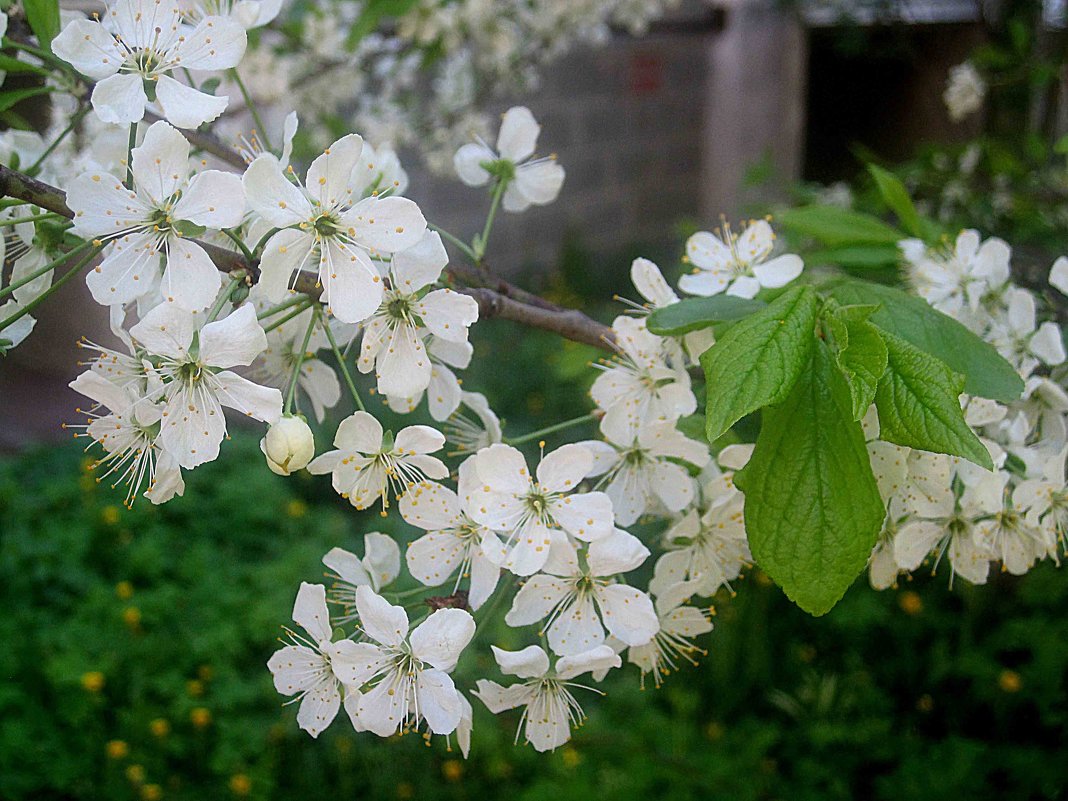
737 264
368 465
638 388
325 221
196 384
527 510
1016 337
288 445
707 545
530 181
658 294
638 474
315 669
679 625
453 542
965 91
952 282
393 336
581 601
148 221
129 434
1044 500
248 14
409 672
467 435
137 46
378 568
550 710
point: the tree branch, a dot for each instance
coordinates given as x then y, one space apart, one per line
505 302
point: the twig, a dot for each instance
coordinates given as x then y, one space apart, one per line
503 301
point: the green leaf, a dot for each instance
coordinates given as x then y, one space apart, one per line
837 227
896 196
758 360
919 404
9 99
696 313
985 372
12 65
857 257
861 357
43 16
812 507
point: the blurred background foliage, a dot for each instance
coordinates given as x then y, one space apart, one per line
135 643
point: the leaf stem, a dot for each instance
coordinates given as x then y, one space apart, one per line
285 304
300 308
466 248
221 300
48 215
239 242
498 193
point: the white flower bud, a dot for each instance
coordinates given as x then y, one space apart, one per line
288 445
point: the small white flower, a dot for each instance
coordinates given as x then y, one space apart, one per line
531 181
1044 500
638 474
526 509
679 625
367 465
146 223
581 601
248 14
288 445
707 545
965 91
409 673
1016 337
453 542
378 568
325 223
192 364
550 710
953 282
737 264
652 286
393 336
469 435
638 388
314 668
138 44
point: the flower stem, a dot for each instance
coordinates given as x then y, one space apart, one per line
221 300
541 432
129 155
300 308
74 120
43 269
291 393
285 304
466 248
341 363
48 215
33 304
498 193
250 104
238 241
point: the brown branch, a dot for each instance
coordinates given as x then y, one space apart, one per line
569 323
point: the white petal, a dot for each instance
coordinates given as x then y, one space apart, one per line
403 366
310 612
284 253
120 99
530 663
503 469
319 707
161 163
628 614
650 283
89 48
779 271
563 469
130 270
468 161
419 439
1058 274
294 668
252 400
235 340
518 135
1048 344
352 287
441 638
577 628
347 566
448 314
359 432
431 507
330 175
619 552
498 699
708 252
600 658
214 199
272 196
439 701
191 279
381 558
386 224
536 599
383 622
102 206
539 181
186 107
216 43
587 516
165 331
433 558
421 264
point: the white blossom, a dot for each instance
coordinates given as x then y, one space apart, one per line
739 265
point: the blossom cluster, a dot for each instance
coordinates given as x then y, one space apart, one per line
256 290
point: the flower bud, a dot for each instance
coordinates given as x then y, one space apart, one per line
288 445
